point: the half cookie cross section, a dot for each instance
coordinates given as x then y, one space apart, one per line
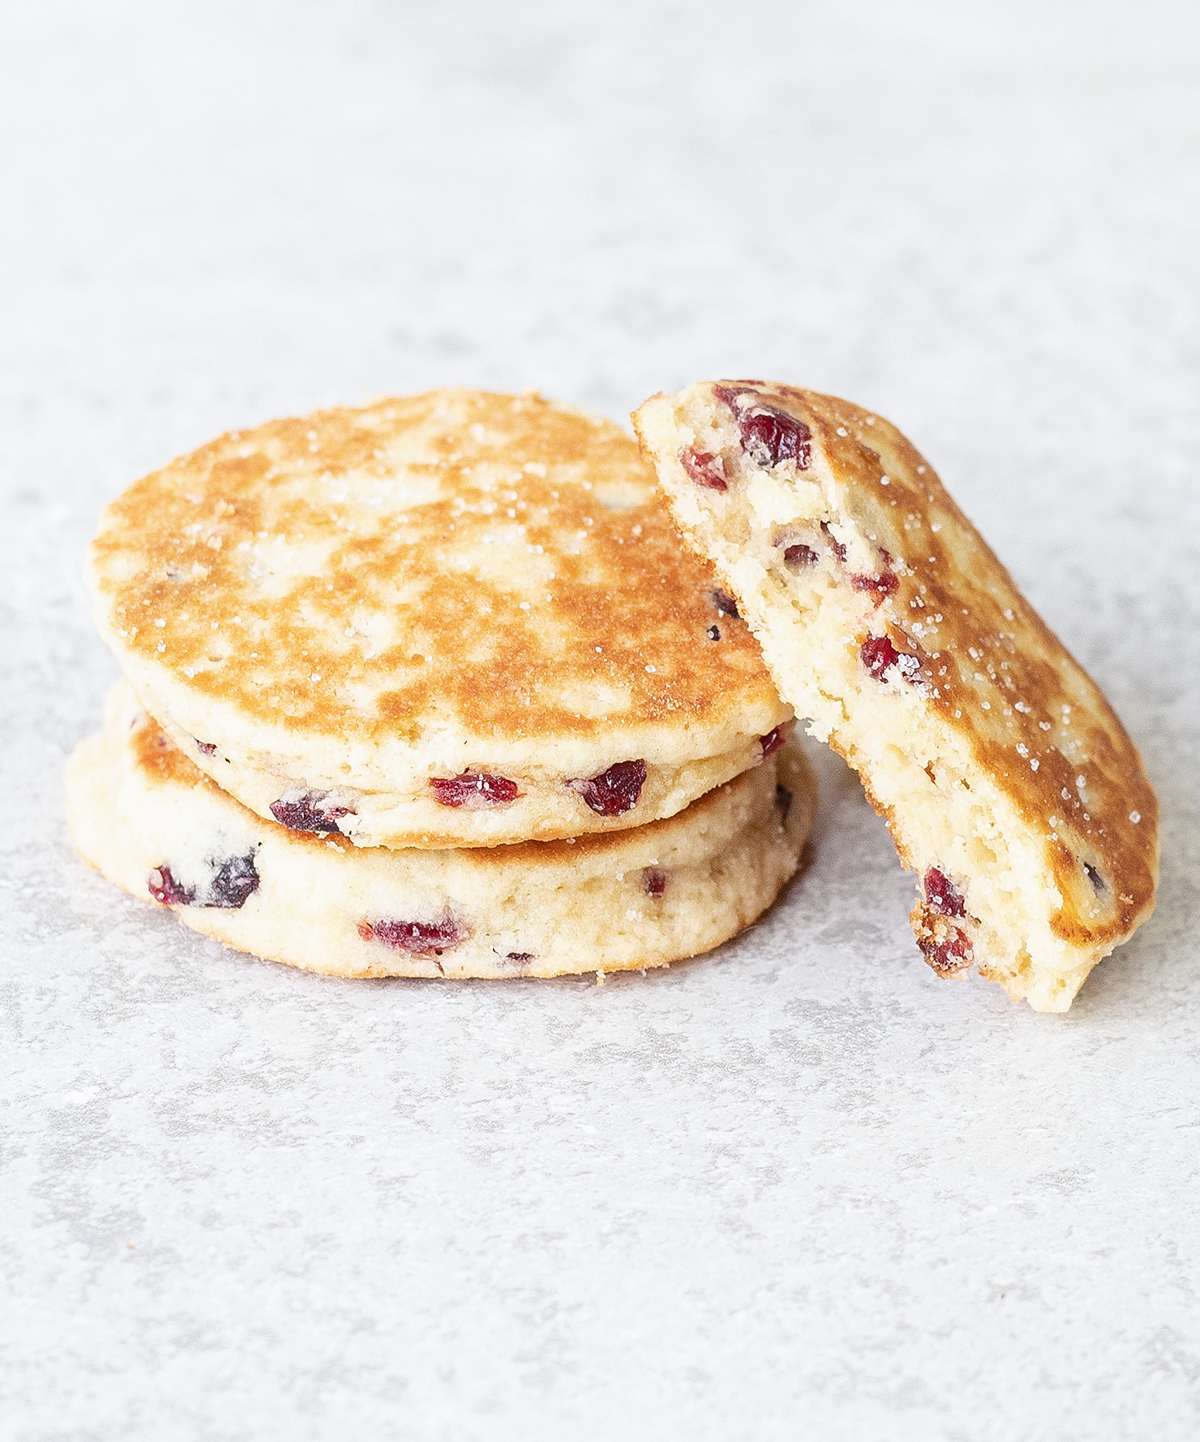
1006 779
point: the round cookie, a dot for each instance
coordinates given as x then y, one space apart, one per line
456 619
151 821
1006 780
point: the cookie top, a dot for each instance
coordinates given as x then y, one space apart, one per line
887 619
151 821
462 588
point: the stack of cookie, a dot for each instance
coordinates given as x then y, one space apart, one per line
428 688
434 687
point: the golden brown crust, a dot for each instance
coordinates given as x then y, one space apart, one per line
153 752
1034 719
263 550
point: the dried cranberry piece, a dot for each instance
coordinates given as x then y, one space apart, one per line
473 789
519 957
705 469
878 655
773 740
654 881
418 937
770 436
947 950
885 584
165 889
235 879
305 813
614 791
206 748
798 556
725 603
783 799
942 894
838 549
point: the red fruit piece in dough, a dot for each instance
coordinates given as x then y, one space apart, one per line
948 951
839 550
234 880
942 894
885 584
305 812
769 435
165 889
614 791
796 557
473 789
878 655
418 937
704 468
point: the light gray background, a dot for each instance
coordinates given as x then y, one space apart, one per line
799 1188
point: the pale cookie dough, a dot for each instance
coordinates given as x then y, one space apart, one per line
151 821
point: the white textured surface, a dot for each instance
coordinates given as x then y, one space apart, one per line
800 1188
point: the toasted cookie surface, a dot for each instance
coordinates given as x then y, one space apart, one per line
151 821
1007 781
452 619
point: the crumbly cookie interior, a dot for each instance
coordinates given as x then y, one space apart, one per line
868 653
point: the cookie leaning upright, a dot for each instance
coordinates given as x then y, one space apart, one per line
1006 779
454 619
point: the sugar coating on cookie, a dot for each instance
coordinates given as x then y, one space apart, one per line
451 619
143 814
1006 780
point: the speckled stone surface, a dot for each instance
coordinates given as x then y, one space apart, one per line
798 1188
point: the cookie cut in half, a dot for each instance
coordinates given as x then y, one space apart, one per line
456 619
143 814
1005 778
